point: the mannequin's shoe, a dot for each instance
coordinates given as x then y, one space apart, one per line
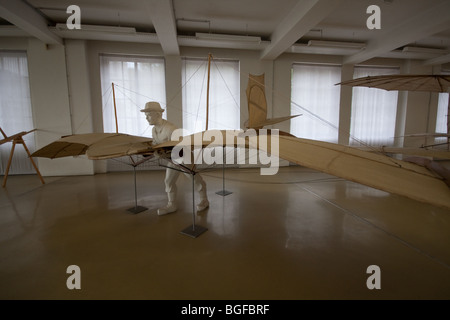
203 205
169 208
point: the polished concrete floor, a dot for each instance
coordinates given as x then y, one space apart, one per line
298 235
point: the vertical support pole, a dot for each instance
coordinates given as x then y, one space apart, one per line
448 121
223 192
193 203
135 187
115 108
136 208
31 159
223 176
195 230
9 163
207 91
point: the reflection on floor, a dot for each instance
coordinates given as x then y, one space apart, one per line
298 235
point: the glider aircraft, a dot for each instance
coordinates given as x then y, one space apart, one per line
368 167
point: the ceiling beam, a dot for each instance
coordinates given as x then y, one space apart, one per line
427 23
163 19
29 20
304 16
438 60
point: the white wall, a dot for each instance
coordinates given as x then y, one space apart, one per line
419 105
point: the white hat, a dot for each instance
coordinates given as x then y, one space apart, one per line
152 106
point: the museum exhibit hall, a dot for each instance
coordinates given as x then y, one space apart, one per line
208 150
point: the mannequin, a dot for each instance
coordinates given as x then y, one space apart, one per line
162 132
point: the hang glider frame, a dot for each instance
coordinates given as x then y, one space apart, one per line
17 139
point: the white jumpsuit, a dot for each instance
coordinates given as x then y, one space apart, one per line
163 133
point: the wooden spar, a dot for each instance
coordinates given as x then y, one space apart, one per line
207 91
115 109
434 153
192 167
3 133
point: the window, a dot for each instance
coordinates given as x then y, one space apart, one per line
373 110
15 110
224 95
137 80
315 96
441 120
442 113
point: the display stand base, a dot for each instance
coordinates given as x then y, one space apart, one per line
193 231
137 209
223 192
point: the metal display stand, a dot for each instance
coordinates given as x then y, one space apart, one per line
223 192
136 209
195 230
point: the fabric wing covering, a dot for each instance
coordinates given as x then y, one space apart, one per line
96 146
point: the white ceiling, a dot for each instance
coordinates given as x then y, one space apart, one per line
422 26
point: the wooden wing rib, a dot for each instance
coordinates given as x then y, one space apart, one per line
119 146
407 82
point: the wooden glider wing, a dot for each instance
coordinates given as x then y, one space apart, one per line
368 168
96 146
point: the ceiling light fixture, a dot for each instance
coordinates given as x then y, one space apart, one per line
94 28
336 44
424 50
226 37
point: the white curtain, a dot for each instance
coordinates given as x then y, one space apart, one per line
442 116
373 110
224 92
442 113
315 96
137 80
15 110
